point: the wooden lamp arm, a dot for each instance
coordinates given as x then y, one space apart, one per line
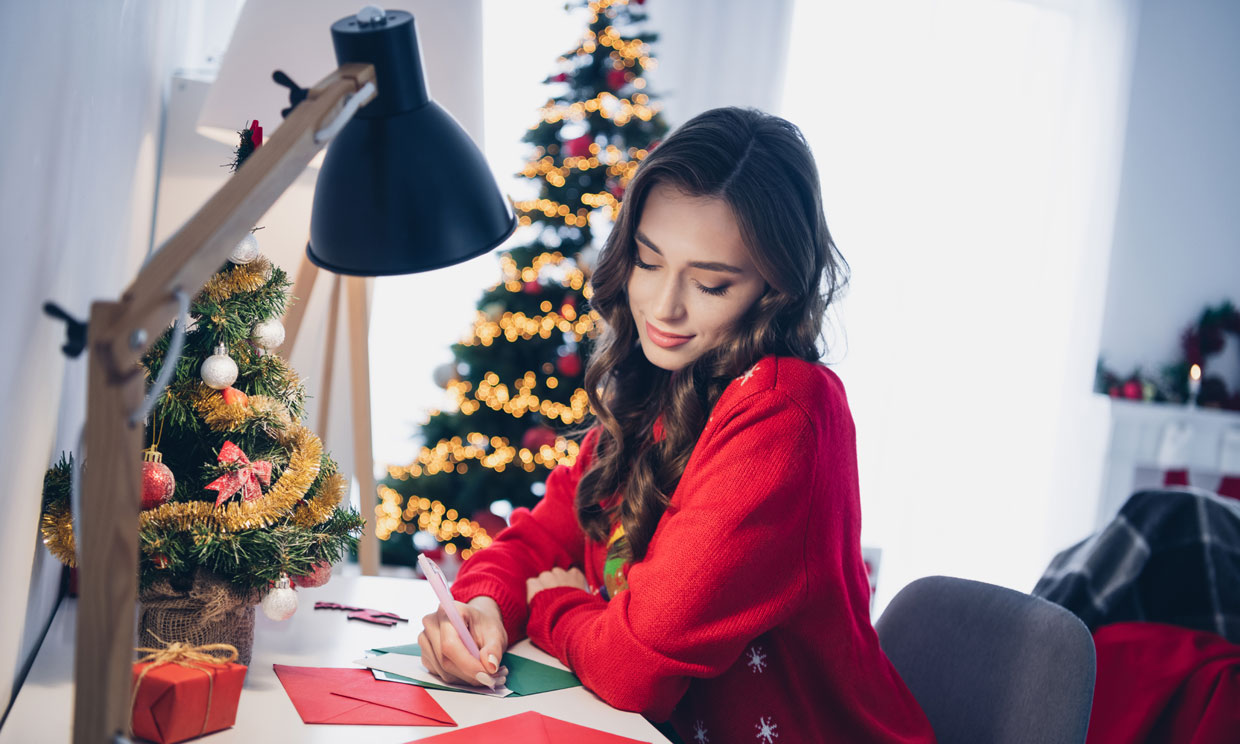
118 334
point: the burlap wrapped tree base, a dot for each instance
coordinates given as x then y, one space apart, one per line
210 610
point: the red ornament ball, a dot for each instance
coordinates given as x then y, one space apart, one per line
561 78
616 79
1132 389
580 147
157 484
318 576
531 288
536 437
569 365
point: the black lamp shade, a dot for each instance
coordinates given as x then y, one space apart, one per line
402 188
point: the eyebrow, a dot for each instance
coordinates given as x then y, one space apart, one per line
708 265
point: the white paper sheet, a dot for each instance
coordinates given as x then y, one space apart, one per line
411 666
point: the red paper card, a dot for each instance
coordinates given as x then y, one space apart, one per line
354 696
530 728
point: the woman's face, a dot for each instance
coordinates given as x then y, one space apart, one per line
693 278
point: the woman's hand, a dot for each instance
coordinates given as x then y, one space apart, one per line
553 578
445 655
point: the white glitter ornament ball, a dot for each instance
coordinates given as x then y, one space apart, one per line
219 370
281 602
246 251
444 374
268 334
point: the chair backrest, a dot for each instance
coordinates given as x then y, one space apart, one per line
989 664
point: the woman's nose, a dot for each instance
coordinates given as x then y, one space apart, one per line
669 306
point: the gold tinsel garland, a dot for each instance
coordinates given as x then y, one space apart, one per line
294 483
318 509
244 278
57 529
224 417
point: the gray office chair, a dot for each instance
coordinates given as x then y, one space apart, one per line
989 664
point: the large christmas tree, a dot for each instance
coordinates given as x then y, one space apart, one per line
233 484
515 387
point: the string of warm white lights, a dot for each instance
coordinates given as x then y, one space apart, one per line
513 327
496 453
607 104
431 516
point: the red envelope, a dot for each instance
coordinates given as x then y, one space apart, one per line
530 728
354 696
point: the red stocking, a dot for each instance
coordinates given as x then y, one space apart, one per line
1230 487
1175 478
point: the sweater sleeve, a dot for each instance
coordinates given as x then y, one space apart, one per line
726 564
535 541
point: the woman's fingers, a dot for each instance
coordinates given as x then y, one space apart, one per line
430 659
455 658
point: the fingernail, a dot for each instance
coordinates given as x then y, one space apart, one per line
494 661
485 679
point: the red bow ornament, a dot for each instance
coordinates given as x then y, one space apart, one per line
246 478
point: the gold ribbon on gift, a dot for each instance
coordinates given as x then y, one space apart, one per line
187 656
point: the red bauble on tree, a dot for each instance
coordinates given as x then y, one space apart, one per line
569 365
536 437
580 147
560 78
157 480
616 79
531 288
318 576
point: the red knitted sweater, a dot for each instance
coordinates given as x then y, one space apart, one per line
748 619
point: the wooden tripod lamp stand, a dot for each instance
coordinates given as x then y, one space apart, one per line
402 189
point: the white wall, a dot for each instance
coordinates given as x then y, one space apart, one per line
1177 226
82 96
969 152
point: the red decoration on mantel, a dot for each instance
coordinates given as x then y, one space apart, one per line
246 478
256 134
376 617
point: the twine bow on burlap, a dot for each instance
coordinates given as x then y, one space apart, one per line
187 656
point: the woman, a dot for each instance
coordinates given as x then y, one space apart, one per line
700 561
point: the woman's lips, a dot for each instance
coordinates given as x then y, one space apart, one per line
665 340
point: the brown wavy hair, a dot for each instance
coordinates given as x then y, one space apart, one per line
762 167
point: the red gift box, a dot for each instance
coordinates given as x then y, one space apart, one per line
175 700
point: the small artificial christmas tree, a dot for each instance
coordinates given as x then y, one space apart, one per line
515 386
237 495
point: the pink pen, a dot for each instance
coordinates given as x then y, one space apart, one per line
440 585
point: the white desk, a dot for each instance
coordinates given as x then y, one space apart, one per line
323 638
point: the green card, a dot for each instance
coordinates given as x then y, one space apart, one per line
525 676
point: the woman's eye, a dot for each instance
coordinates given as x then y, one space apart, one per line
714 291
641 264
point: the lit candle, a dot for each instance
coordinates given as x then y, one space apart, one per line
1194 384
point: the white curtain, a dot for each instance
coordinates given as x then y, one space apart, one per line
718 53
83 86
969 153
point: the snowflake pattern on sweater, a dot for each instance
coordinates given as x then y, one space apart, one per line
699 733
766 730
757 659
